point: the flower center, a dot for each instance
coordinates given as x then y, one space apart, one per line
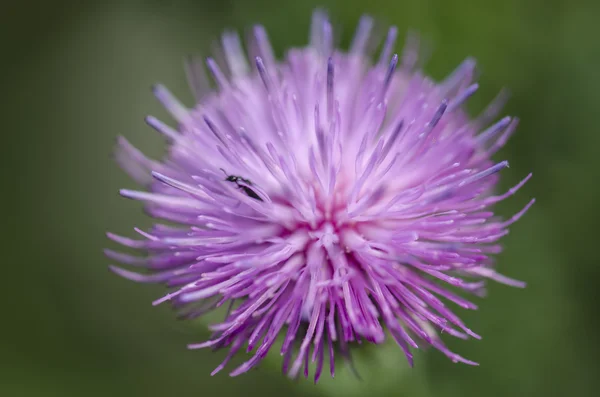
326 235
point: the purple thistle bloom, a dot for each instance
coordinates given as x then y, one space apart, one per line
323 198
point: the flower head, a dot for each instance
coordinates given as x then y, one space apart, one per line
323 198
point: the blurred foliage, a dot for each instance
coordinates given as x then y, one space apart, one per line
76 74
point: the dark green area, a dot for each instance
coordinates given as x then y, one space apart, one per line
76 74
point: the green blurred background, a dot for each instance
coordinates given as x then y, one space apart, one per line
76 74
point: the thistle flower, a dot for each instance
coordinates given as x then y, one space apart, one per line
324 198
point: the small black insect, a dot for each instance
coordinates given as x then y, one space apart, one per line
237 179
